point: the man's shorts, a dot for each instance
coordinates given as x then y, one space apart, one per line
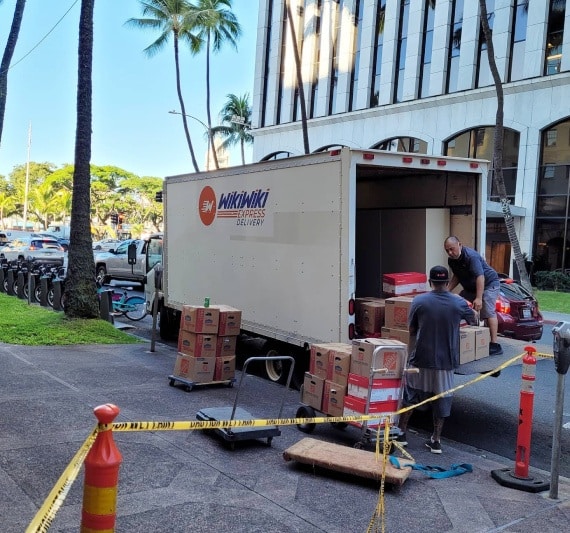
425 384
490 295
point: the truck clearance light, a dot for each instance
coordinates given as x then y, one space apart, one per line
424 161
441 163
351 333
334 152
351 307
368 156
473 165
407 159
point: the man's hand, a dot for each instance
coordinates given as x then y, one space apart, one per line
478 304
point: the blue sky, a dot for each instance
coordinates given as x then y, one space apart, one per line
132 93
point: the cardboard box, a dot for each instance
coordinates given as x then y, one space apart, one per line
333 398
390 359
339 364
382 390
229 322
482 341
356 407
226 345
225 368
402 335
313 388
466 345
372 316
197 319
195 369
401 283
197 344
319 359
397 311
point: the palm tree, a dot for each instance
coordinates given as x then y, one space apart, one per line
235 131
7 207
299 74
80 290
214 26
7 57
498 150
169 17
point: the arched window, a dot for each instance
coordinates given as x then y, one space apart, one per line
328 147
402 144
552 246
478 143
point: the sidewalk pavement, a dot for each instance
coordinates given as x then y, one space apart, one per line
174 481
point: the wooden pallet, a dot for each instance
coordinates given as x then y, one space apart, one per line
351 461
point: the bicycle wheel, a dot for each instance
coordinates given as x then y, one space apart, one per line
134 307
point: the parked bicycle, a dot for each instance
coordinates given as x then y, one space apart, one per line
133 307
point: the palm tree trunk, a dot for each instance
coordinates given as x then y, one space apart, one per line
210 136
80 290
182 107
7 57
300 88
242 149
498 151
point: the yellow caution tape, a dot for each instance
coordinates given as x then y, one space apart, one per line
46 513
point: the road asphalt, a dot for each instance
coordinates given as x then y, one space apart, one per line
174 481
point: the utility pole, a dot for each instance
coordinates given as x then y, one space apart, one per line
26 188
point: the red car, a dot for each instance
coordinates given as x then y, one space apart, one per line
517 312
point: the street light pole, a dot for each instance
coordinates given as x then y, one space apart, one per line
208 132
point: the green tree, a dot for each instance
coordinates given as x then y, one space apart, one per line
42 203
235 131
214 26
80 289
169 17
7 57
498 150
7 206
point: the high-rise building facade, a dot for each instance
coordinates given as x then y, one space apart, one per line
414 76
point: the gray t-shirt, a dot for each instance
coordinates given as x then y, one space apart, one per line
435 316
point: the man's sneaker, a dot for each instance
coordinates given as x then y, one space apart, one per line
495 349
434 447
401 439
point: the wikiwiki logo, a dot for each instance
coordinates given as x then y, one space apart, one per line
207 205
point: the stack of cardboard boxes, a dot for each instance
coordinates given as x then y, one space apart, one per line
207 343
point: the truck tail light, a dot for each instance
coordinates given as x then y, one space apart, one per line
351 331
473 165
441 163
407 159
351 307
334 152
424 161
368 156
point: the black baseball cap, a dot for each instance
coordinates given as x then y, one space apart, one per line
439 273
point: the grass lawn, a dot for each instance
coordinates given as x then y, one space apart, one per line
32 325
557 302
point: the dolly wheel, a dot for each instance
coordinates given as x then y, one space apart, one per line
306 412
171 383
269 441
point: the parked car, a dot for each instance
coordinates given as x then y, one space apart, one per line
106 245
517 312
34 248
115 264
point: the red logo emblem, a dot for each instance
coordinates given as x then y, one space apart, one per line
207 205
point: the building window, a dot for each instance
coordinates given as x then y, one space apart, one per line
478 143
454 47
316 59
356 43
282 70
483 76
377 65
555 151
337 6
300 34
427 46
402 44
555 33
267 62
402 144
518 43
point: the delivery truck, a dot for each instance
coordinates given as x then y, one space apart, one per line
293 242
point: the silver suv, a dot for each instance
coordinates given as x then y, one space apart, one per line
34 248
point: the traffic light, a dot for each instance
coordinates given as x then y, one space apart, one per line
121 218
158 196
114 218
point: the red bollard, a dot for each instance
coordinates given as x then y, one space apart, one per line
522 458
519 478
101 476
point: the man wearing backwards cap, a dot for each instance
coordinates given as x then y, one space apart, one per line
434 318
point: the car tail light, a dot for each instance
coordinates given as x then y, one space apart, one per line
32 247
503 306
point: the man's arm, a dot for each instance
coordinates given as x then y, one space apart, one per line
453 282
480 287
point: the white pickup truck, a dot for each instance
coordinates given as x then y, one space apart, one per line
114 264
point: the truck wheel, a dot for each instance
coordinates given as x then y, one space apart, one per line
277 371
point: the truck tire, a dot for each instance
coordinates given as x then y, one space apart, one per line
278 371
169 324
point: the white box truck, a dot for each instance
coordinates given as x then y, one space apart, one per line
293 242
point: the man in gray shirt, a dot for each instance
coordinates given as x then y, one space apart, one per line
434 318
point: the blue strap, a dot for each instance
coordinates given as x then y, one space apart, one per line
435 472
